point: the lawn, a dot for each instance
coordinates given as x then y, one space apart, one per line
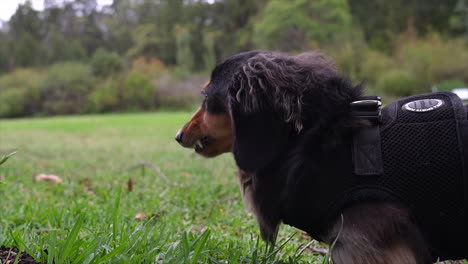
189 209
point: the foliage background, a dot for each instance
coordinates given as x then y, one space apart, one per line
76 57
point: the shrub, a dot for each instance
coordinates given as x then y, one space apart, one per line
20 92
13 103
150 67
434 59
180 94
448 85
375 64
138 92
66 88
105 63
349 50
105 97
398 83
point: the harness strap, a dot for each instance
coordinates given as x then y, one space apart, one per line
367 152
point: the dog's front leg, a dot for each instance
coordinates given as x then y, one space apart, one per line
377 233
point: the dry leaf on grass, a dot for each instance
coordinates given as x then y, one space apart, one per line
88 184
48 178
129 185
140 216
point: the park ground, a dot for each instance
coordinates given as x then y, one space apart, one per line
130 194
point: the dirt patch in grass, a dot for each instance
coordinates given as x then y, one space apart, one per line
8 256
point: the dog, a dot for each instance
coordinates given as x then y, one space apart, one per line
305 141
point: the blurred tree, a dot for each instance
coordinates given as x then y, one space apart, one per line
232 24
459 20
196 20
146 42
57 48
120 20
104 63
25 20
27 51
185 58
382 20
312 21
209 56
25 31
5 52
90 24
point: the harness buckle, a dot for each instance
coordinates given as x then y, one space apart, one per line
368 107
367 153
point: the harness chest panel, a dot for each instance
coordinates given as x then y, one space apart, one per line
424 145
423 163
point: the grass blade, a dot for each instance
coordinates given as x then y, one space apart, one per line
5 157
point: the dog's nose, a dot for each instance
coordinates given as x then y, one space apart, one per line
178 136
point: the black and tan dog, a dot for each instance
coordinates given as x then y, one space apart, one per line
389 186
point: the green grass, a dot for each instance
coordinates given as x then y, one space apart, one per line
197 212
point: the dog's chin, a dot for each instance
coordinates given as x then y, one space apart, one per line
204 147
206 153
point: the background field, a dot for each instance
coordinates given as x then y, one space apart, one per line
194 208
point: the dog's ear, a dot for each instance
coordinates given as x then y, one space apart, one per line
260 136
261 124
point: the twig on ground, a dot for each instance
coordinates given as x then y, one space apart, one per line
151 167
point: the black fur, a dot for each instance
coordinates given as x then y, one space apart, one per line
291 117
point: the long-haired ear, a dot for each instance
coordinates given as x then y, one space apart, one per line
271 96
259 137
261 125
283 84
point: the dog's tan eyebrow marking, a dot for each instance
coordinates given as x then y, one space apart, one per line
203 91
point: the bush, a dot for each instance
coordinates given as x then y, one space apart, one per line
105 97
105 63
449 85
13 103
20 92
138 92
434 59
66 88
180 94
398 83
150 67
375 64
349 50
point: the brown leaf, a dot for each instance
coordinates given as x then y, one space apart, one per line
140 216
129 185
86 182
48 178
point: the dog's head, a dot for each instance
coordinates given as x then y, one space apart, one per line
256 101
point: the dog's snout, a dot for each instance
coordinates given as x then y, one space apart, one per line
178 136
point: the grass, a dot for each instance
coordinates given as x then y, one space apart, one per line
194 207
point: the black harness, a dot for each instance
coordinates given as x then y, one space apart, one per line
415 153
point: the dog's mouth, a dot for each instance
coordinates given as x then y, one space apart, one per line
201 144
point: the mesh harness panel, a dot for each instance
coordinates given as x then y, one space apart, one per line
424 157
423 164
